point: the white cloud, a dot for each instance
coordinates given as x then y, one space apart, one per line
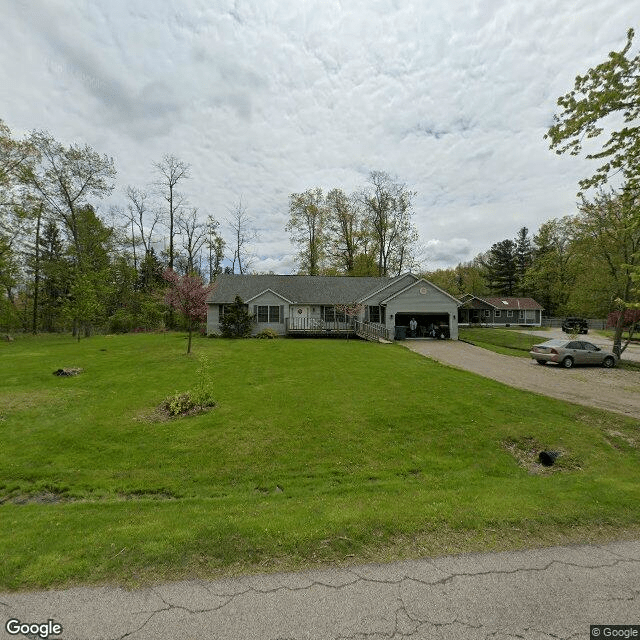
269 97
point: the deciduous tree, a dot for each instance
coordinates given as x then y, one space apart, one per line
610 88
188 294
307 217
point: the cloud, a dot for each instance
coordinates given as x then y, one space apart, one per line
269 97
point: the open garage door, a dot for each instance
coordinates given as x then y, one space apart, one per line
439 321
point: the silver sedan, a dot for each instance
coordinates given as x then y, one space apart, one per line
570 352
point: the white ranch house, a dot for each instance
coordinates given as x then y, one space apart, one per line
299 305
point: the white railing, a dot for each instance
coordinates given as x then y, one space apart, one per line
373 330
317 325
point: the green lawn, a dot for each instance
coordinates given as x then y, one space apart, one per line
507 341
318 451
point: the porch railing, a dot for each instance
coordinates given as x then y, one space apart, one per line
316 325
372 331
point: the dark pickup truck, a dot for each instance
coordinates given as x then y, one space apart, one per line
575 325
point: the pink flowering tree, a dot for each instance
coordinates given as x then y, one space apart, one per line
627 320
188 295
351 311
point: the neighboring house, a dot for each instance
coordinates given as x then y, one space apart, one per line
500 311
307 304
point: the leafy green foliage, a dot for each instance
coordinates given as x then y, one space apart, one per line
267 334
612 87
236 321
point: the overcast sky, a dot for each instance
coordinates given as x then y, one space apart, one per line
268 97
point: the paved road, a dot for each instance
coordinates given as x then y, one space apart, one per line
531 595
611 389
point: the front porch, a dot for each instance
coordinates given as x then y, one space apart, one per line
316 327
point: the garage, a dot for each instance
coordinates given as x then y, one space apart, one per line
439 322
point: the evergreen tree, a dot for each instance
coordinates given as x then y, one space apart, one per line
236 322
500 266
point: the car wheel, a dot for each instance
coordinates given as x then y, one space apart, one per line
541 361
567 363
608 362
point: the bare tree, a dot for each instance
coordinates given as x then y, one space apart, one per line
171 171
215 245
194 235
140 215
388 210
244 233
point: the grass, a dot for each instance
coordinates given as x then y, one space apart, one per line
318 451
506 341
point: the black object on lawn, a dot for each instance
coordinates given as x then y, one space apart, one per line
547 458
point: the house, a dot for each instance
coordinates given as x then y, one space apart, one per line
501 311
303 305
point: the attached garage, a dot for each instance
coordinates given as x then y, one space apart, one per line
426 303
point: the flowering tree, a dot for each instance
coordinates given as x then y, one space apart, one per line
351 311
187 294
627 320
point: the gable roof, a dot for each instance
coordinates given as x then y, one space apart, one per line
421 281
505 302
298 289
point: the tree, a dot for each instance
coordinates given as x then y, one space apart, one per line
343 222
236 321
553 267
523 258
387 206
194 235
608 228
307 216
500 267
65 179
188 294
172 171
244 233
629 320
215 247
611 88
142 217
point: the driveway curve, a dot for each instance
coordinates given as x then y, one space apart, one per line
610 389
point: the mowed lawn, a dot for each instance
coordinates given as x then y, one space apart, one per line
317 451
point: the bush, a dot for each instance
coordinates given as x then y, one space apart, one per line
182 404
267 334
237 322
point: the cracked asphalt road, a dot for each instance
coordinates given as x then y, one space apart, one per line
535 594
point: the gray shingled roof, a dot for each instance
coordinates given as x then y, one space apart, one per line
303 289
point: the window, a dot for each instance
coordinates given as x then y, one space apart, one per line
521 314
497 313
374 314
268 313
329 314
487 313
510 313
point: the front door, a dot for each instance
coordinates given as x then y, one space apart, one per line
300 319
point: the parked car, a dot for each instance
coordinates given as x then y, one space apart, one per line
575 325
570 352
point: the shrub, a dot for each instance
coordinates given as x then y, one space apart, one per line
267 334
237 322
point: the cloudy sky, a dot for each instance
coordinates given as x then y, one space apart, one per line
268 97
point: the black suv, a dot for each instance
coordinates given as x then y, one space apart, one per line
575 325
